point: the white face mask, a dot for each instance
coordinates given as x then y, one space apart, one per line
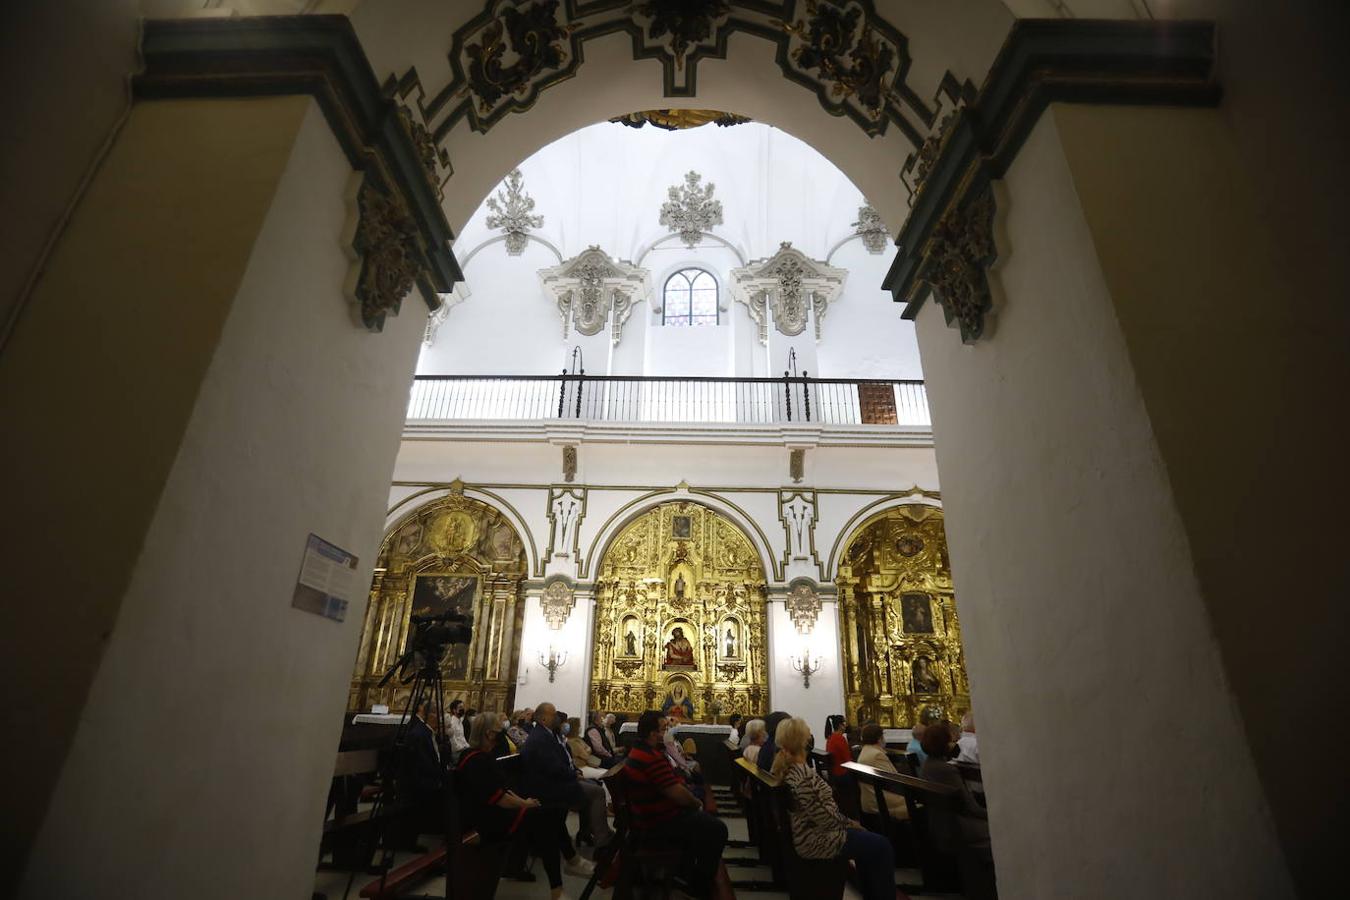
567 728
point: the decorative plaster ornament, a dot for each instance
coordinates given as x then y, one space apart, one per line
441 313
679 119
786 286
566 508
797 464
691 209
556 602
569 457
591 286
686 22
960 254
799 520
512 215
408 97
803 605
388 257
873 231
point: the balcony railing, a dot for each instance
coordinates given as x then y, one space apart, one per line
622 398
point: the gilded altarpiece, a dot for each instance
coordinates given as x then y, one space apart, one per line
680 618
453 554
901 634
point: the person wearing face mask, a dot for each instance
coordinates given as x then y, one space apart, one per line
517 730
549 774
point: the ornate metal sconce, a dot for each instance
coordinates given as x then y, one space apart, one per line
806 665
553 662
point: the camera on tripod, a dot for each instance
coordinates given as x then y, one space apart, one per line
427 640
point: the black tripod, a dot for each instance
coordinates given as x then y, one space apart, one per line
424 661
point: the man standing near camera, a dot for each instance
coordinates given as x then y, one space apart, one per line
458 743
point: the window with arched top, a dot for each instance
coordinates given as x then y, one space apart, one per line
689 298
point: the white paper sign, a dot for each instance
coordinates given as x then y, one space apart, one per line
328 580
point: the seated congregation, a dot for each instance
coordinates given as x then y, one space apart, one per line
493 793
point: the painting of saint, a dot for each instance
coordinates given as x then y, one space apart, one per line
677 704
681 527
916 611
925 679
679 652
437 594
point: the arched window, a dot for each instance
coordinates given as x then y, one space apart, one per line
689 298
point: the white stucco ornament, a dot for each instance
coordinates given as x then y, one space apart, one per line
591 289
789 288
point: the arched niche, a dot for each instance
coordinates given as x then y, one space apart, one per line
675 576
452 554
900 633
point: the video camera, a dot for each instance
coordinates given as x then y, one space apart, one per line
427 640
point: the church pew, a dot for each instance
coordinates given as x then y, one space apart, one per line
938 866
804 879
761 822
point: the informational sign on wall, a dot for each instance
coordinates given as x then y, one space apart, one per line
327 581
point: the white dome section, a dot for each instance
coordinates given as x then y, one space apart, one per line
604 185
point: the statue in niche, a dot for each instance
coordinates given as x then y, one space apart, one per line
679 652
925 679
630 645
730 642
679 586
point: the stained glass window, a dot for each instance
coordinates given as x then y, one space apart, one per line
690 298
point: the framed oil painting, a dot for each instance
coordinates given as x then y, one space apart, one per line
435 593
916 612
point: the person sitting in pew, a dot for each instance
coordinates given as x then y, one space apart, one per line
499 814
550 775
769 749
967 745
753 739
601 748
969 825
836 744
874 754
819 829
663 808
915 745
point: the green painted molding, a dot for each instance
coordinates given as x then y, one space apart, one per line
1043 61
315 55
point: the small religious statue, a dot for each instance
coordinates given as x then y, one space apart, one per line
925 679
679 652
731 643
630 643
679 586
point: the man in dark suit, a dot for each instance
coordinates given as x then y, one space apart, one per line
550 775
423 781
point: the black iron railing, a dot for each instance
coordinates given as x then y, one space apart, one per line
623 398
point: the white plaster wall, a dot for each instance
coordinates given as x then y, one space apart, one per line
1083 621
568 690
604 185
825 696
209 731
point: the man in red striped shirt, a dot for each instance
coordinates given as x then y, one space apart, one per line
664 809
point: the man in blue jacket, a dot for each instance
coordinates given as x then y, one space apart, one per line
548 773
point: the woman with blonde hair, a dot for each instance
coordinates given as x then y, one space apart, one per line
819 829
755 736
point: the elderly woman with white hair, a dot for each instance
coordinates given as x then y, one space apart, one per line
755 736
819 829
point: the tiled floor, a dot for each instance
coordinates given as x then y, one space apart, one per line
332 884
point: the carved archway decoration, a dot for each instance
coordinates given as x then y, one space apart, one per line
680 619
901 634
454 554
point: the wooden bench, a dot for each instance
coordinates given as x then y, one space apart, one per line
939 862
771 810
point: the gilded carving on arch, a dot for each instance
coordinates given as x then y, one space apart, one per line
680 617
901 634
458 555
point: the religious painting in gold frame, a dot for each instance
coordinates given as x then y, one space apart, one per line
438 593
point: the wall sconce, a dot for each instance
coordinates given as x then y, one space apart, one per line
553 662
806 665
